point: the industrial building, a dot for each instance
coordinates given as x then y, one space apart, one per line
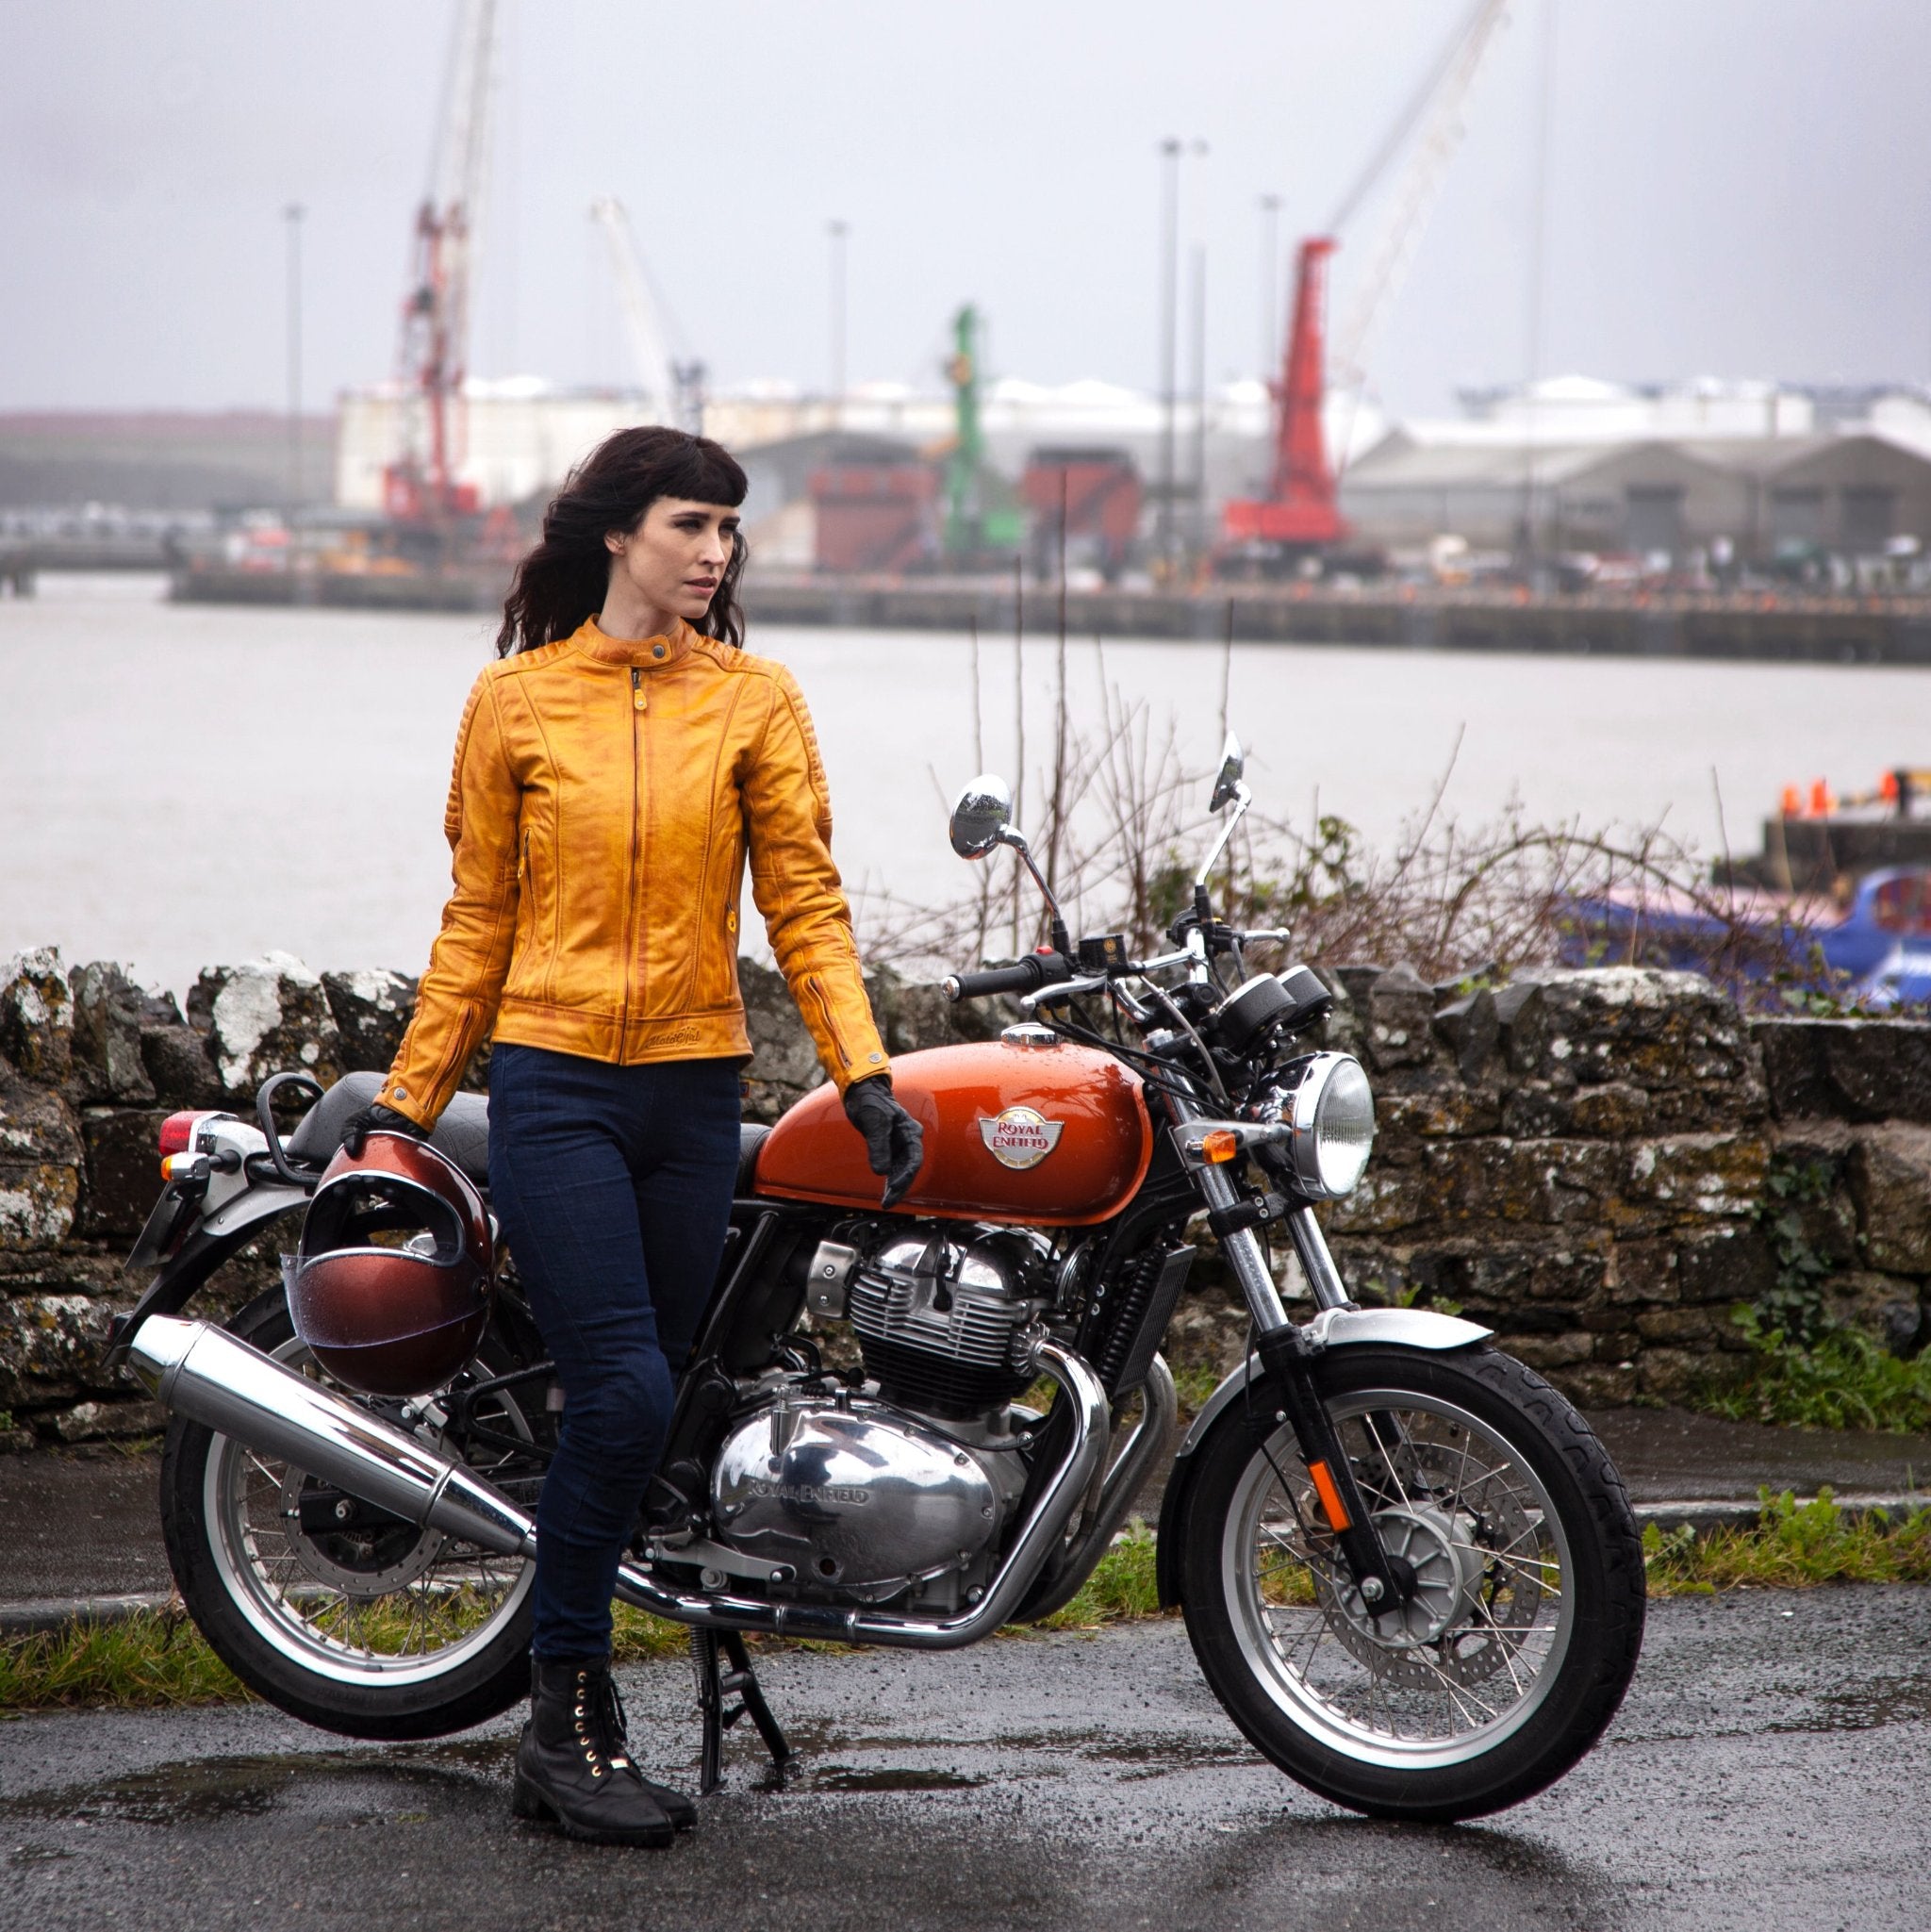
1588 466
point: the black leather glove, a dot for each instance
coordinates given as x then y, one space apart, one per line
892 1140
378 1116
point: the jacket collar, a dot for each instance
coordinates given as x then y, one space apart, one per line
650 654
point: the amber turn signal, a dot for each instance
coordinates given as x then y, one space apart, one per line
1222 1144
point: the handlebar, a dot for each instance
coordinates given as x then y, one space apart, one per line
1024 976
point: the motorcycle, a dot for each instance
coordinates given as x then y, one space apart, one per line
1409 1571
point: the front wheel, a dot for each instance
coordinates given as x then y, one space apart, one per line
1521 1636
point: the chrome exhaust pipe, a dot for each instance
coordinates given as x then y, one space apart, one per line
1151 1442
212 1376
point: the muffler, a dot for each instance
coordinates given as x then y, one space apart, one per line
212 1378
208 1374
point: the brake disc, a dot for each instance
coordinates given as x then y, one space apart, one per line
350 1545
1477 1579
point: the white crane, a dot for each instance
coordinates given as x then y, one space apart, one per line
668 385
1434 121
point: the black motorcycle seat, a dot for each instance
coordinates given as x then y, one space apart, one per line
462 1134
749 1139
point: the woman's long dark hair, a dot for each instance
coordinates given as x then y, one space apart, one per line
562 581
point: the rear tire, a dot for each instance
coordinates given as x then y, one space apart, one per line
377 1631
1517 1648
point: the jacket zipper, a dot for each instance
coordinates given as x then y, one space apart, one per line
630 883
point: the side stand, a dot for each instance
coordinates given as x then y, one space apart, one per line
715 1685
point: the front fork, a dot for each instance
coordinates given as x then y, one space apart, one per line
1287 1374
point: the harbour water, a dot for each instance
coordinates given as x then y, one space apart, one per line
185 784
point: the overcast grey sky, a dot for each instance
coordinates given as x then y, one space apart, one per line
1736 186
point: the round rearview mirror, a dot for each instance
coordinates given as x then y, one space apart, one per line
1233 762
981 813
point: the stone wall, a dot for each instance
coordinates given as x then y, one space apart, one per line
1592 1163
1579 1159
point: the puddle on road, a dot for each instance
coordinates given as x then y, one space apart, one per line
1886 1700
196 1793
208 1791
840 1777
1156 1756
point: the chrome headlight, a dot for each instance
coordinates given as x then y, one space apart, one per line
1333 1126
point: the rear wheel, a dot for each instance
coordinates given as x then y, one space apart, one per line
341 1614
1512 1654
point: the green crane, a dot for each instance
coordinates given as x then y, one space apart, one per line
980 519
965 516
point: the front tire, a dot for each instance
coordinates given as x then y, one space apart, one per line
1522 1633
376 1628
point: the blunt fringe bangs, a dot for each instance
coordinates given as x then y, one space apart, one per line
561 582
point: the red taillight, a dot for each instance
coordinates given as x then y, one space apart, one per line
177 1130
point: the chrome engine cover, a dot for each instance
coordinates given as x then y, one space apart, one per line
859 1500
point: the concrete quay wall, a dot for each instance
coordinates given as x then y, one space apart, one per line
1747 628
1596 1164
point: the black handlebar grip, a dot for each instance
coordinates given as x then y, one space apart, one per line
1023 976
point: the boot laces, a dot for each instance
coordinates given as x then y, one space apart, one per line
615 1724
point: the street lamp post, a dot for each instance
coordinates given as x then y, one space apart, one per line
1197 521
292 215
1170 151
1270 285
838 231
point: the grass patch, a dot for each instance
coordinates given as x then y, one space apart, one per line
1121 1588
636 1637
1795 1546
156 1657
1841 1380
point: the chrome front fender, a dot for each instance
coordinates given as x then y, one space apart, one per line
1342 1327
1334 1327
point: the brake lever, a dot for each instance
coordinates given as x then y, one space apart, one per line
1065 989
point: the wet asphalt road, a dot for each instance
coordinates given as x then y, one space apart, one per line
1768 1771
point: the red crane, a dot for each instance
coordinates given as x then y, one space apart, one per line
1302 511
419 485
1299 510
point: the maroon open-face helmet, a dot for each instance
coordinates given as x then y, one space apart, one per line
390 1288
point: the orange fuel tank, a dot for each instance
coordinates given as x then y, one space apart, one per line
1055 1134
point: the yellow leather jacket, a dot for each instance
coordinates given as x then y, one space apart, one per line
606 794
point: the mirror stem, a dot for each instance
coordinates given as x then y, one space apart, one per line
1243 798
1061 940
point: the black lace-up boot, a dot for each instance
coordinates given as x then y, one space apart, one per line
574 1765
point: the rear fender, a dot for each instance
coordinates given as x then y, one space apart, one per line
214 1239
1333 1328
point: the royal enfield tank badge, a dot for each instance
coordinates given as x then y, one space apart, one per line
1020 1137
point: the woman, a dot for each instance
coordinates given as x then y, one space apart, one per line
615 770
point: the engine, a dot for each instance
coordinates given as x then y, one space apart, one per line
944 1325
908 1494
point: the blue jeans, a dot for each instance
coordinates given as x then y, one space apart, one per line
613 1185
